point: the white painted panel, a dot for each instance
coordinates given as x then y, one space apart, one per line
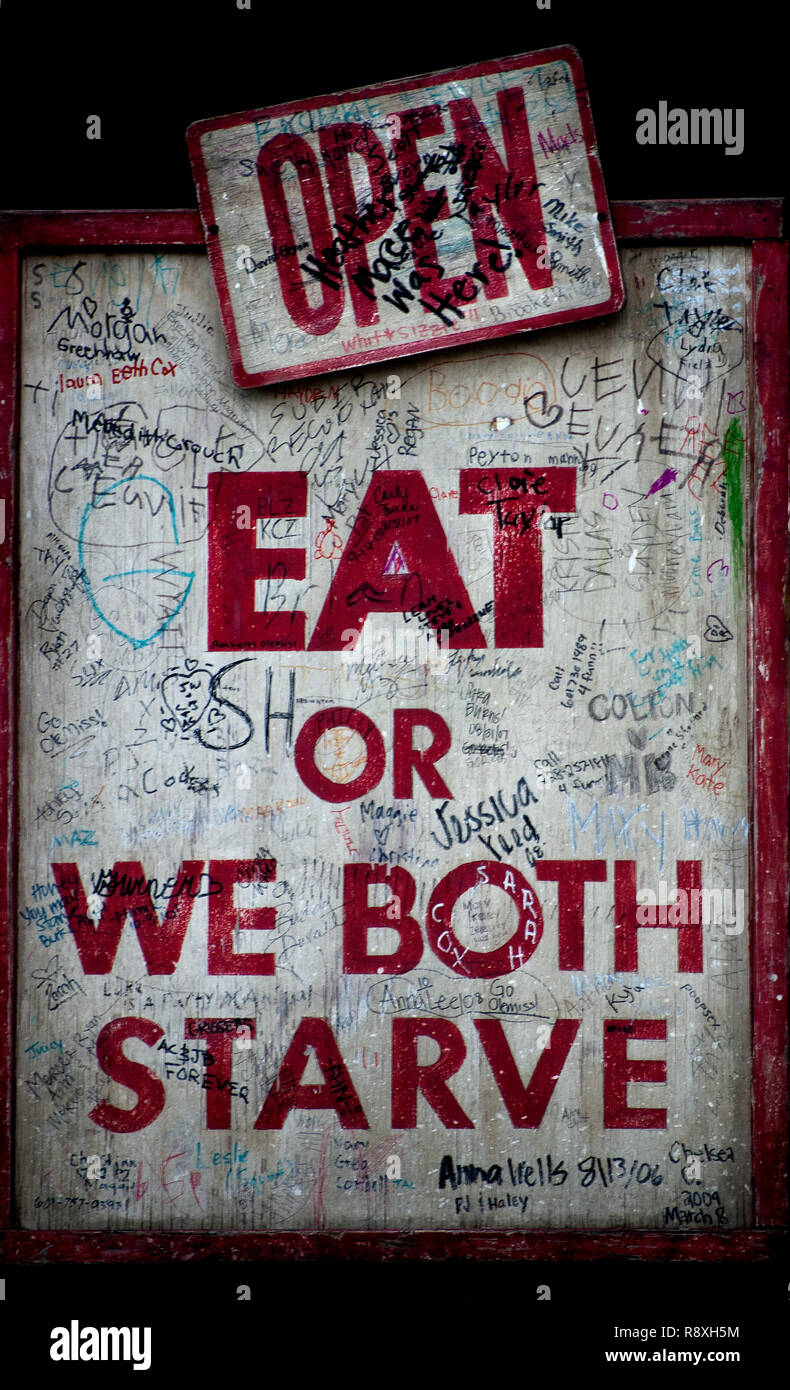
621 738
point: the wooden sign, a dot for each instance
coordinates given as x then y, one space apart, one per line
401 776
372 225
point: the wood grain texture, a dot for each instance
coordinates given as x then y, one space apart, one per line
580 747
63 1244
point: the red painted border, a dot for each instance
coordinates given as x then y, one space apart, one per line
740 219
734 220
769 770
30 230
578 1246
464 337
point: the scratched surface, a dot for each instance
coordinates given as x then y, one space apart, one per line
590 1074
450 207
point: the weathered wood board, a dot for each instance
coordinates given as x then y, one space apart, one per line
375 224
538 549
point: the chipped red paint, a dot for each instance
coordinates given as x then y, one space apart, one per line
769 842
29 230
25 1247
734 220
738 219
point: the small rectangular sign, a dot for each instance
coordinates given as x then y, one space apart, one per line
447 208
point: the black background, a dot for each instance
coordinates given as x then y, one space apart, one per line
148 70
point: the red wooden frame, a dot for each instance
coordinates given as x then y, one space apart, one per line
758 222
464 337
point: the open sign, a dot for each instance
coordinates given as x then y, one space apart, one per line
391 220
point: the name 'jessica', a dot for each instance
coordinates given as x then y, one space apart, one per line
695 127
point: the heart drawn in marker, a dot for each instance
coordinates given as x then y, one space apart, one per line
716 630
187 697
